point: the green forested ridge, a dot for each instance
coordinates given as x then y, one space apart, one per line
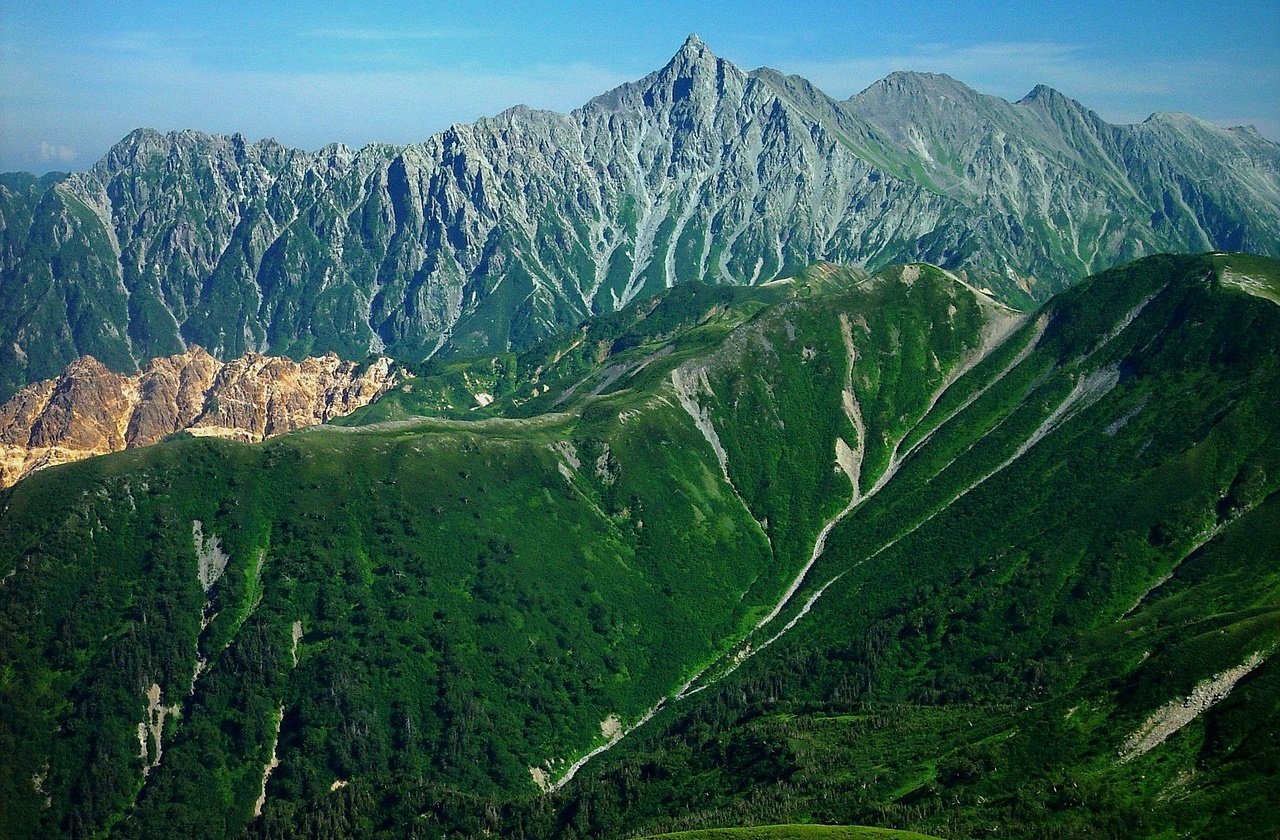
1066 520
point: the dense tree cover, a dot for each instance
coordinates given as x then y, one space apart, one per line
406 565
1078 530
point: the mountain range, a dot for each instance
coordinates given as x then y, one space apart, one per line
491 236
860 548
719 454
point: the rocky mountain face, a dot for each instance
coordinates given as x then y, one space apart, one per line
490 236
89 410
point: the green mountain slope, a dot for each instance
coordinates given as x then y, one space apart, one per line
1074 637
852 548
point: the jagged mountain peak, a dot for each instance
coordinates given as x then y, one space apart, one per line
1180 120
790 84
694 74
915 83
695 59
1172 116
1248 129
909 91
1044 93
137 144
515 115
147 144
86 366
1183 128
1046 96
694 44
1057 106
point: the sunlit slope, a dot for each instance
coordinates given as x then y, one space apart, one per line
1060 612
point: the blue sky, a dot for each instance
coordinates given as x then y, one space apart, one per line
77 76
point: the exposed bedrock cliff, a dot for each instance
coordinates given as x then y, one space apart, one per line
89 410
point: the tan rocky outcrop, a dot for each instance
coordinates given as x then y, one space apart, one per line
90 410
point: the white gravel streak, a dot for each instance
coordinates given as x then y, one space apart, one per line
1176 714
270 765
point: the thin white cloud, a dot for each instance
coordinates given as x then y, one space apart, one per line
1120 91
95 100
387 91
380 35
145 43
56 152
999 67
